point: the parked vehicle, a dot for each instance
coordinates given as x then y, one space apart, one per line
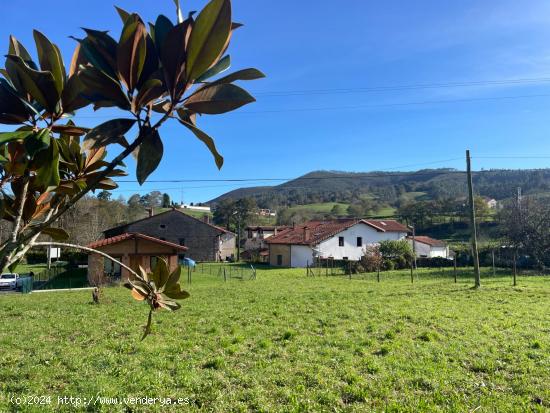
12 281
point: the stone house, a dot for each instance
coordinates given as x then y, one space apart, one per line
204 241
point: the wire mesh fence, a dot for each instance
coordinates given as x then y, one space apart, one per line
223 271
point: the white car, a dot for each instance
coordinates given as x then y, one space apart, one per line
10 281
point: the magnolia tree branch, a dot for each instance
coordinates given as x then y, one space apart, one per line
20 209
112 165
94 251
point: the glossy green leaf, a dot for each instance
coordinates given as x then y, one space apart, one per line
143 287
71 130
168 304
47 174
103 47
208 38
151 90
219 67
149 155
107 133
50 59
57 234
37 142
102 90
11 106
173 56
77 60
151 65
17 49
13 136
123 14
207 140
99 59
161 273
244 74
106 184
40 85
131 51
218 99
163 25
173 279
187 116
72 97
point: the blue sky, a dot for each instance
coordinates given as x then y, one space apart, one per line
311 113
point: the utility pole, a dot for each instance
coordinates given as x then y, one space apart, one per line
414 245
473 220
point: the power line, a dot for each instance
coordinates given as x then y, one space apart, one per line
381 105
368 106
391 88
351 176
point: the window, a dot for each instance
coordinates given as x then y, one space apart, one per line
162 226
340 241
279 260
359 241
112 269
153 262
181 241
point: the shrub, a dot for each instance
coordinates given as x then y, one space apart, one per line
388 265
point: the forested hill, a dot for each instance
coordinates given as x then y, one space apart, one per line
389 187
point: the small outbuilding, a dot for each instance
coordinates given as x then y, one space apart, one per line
133 250
427 247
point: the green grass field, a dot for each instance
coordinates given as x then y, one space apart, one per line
288 343
321 207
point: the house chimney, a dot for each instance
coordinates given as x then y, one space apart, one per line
151 212
307 233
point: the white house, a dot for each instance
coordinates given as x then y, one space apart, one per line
204 208
342 239
427 247
491 202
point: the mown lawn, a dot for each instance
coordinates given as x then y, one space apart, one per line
284 342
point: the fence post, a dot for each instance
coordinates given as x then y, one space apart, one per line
454 263
224 275
349 269
515 266
412 274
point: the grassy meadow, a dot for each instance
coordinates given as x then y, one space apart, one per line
288 343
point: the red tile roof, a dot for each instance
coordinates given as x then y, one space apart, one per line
429 241
123 237
266 227
387 225
322 230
